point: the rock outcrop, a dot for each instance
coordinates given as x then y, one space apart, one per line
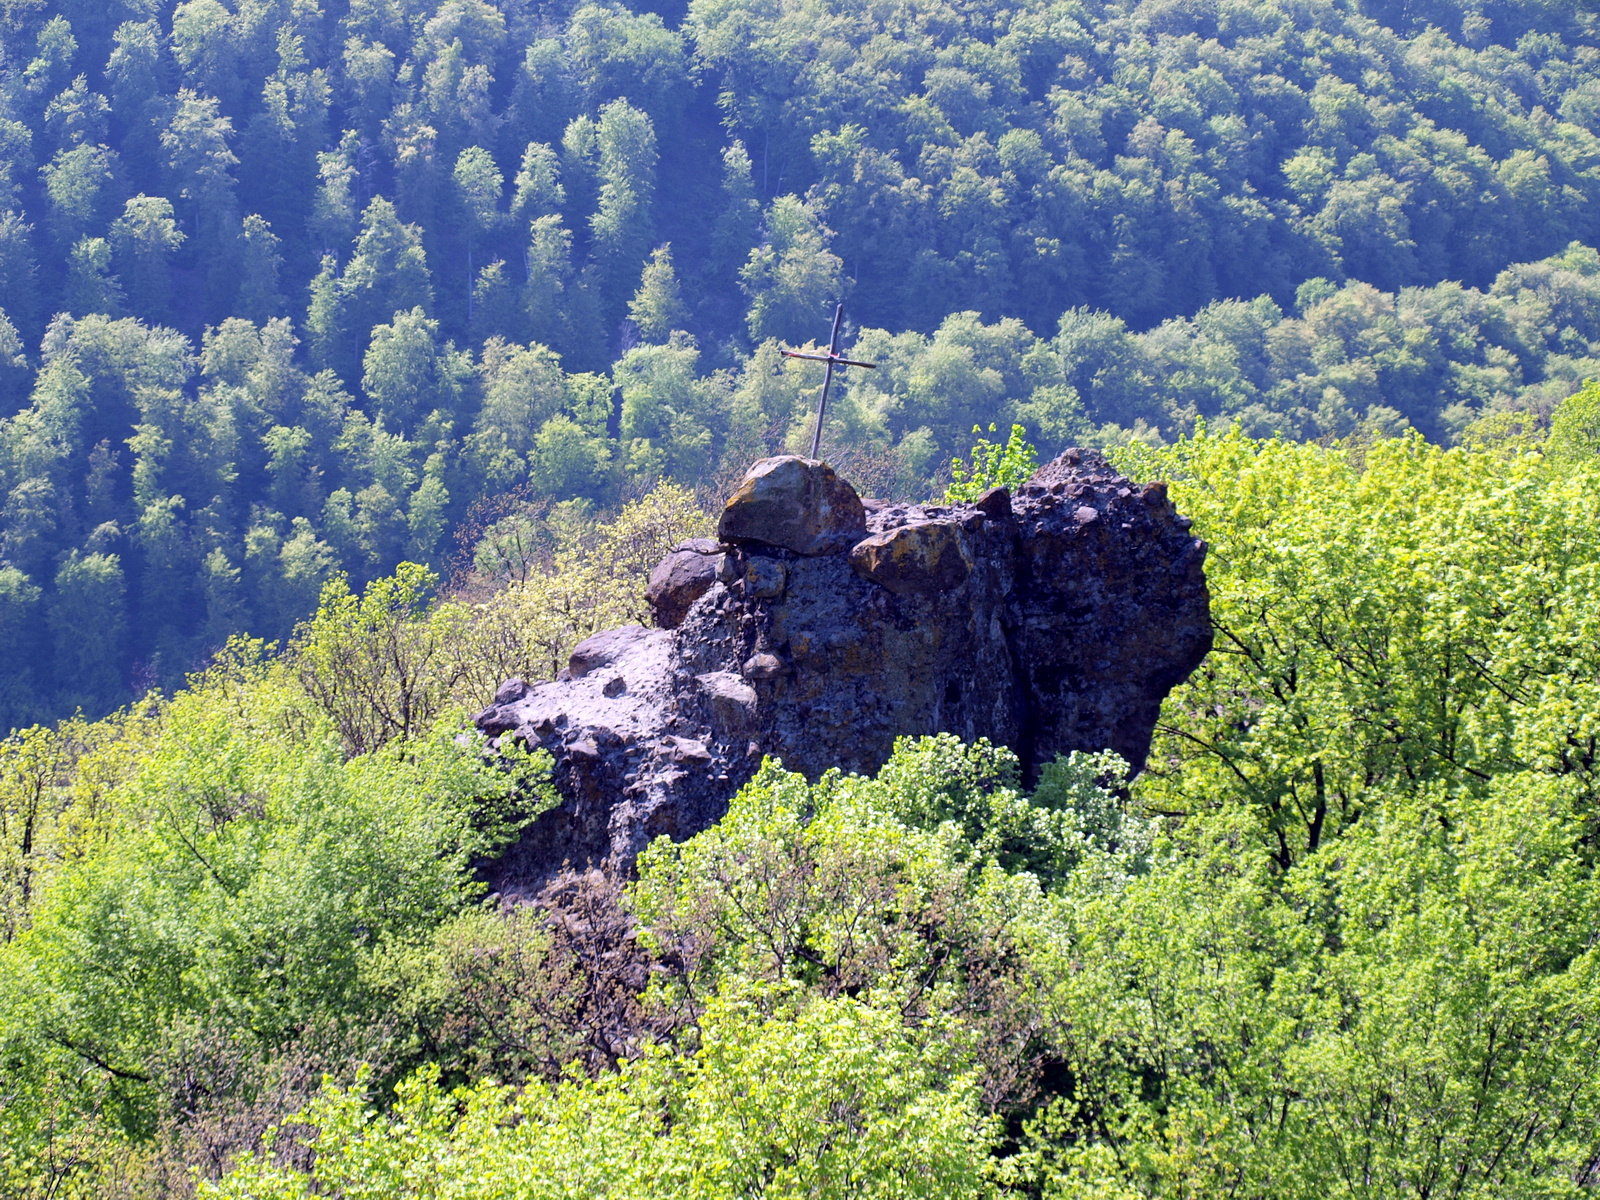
819 628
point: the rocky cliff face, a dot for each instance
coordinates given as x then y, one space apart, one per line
818 627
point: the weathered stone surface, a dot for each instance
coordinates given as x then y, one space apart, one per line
762 666
795 504
681 578
1110 611
764 578
1080 603
602 649
922 558
733 701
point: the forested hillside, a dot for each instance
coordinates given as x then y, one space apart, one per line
288 290
1338 940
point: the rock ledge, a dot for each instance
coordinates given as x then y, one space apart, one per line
818 629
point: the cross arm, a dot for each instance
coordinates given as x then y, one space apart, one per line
835 359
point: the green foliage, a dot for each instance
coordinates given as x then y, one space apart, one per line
1407 1008
382 665
1337 937
867 888
1071 219
1419 616
657 307
570 576
1006 466
1575 427
838 1099
1362 943
215 861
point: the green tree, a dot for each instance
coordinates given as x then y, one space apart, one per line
739 223
19 273
136 72
657 307
537 190
523 388
88 622
206 44
494 303
992 465
80 184
568 460
333 214
143 239
664 423
479 185
14 373
408 374
77 115
19 614
548 259
261 262
55 50
1575 427
381 665
227 870
90 285
200 160
387 274
792 276
623 223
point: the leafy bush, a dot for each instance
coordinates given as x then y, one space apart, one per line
1006 466
570 576
244 874
834 1099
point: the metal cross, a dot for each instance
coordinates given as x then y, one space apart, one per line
833 359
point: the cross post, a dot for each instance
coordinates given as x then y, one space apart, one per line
833 359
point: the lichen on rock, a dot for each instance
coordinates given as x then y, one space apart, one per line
796 504
919 558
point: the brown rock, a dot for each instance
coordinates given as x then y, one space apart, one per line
914 559
796 504
995 503
762 666
680 579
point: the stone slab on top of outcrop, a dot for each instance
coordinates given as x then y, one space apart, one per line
796 504
1053 620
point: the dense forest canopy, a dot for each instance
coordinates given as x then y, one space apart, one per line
286 290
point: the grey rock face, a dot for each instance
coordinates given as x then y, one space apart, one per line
1051 621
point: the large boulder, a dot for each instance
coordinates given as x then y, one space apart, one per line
1053 620
795 504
